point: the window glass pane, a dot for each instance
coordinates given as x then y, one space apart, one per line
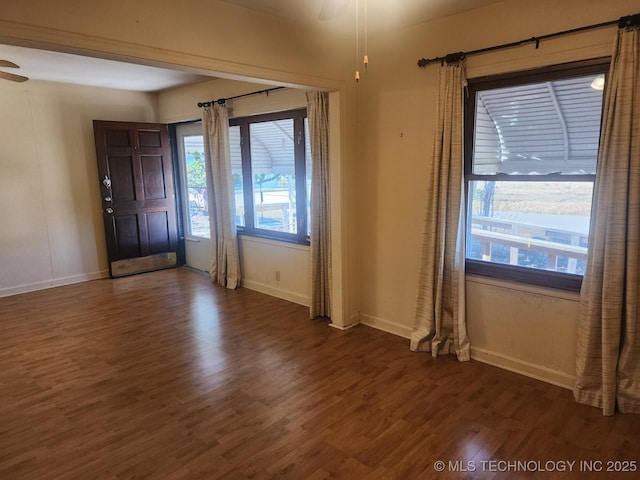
532 224
236 172
308 166
273 170
196 183
540 128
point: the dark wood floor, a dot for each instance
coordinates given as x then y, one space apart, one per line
165 376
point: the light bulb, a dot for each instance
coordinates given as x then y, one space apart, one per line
598 83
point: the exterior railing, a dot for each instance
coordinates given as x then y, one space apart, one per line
519 237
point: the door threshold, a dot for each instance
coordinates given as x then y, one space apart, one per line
133 266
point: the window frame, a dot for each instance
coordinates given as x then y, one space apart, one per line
298 116
183 130
520 274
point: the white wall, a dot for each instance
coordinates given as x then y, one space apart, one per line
276 268
522 328
203 34
526 329
51 221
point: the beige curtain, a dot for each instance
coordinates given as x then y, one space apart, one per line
318 116
440 325
608 352
225 263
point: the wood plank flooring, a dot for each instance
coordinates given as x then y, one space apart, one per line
165 376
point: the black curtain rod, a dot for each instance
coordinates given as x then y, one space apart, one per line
222 101
628 21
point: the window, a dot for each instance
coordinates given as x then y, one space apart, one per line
194 180
531 147
271 173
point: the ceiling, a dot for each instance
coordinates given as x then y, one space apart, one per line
96 72
334 15
380 14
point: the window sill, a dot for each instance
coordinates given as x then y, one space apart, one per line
194 239
523 275
523 287
266 240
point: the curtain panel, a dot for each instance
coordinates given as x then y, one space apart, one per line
318 117
440 324
225 262
608 351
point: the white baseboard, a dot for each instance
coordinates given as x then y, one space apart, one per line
54 282
385 325
548 375
353 321
345 328
276 292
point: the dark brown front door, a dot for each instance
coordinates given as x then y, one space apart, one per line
138 198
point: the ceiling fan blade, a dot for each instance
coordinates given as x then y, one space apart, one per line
13 77
8 64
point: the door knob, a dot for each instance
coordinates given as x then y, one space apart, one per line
106 182
109 210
